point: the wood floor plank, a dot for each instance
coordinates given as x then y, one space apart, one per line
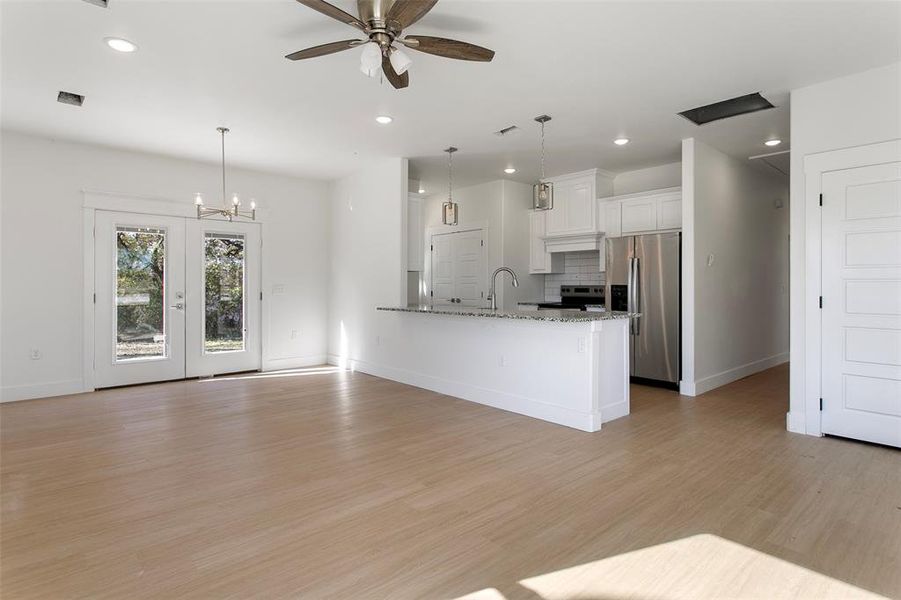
329 484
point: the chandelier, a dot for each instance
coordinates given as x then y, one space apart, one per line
229 210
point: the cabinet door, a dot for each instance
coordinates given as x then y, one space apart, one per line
555 222
639 215
580 206
537 254
669 213
613 220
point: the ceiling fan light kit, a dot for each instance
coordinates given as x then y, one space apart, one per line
383 22
228 211
542 192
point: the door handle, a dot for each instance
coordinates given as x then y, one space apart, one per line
630 298
636 279
178 305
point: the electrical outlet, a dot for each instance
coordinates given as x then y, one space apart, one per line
294 334
582 345
35 354
502 361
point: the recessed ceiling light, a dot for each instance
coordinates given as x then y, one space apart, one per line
383 119
621 141
773 142
120 45
509 170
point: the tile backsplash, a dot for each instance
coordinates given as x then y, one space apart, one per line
580 268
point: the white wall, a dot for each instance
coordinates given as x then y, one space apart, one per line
503 207
859 109
644 180
735 261
42 251
368 256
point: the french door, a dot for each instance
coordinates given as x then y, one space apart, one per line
174 298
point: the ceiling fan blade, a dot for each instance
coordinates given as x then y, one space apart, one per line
448 48
322 50
334 12
407 12
398 81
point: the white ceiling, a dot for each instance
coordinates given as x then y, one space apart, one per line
601 69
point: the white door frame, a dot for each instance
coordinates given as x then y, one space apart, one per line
815 165
116 202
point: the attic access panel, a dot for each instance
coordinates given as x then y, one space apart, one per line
727 108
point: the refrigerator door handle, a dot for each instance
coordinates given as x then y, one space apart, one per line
631 296
636 278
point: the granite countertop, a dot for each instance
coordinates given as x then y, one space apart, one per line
559 316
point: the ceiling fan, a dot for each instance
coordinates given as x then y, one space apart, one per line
383 21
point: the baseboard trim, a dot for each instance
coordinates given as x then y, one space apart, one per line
794 422
521 405
295 362
707 384
15 393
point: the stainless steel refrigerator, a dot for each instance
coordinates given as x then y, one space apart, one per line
644 275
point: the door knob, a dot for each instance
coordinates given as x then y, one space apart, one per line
178 305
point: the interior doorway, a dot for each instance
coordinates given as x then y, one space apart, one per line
174 298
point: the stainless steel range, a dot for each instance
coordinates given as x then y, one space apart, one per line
574 297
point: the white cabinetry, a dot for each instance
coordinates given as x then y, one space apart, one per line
658 210
575 207
540 260
415 234
639 215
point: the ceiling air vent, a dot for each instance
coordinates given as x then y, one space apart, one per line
727 108
100 3
507 131
70 98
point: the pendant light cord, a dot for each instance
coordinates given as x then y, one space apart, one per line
542 149
224 195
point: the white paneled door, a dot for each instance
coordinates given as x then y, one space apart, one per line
458 268
174 298
861 315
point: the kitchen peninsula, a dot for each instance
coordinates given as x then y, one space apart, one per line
566 367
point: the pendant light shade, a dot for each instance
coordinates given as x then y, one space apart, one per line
542 192
450 210
371 59
400 62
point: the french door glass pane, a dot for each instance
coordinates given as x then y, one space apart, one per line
224 292
140 293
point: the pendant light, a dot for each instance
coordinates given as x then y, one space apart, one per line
542 192
450 209
228 210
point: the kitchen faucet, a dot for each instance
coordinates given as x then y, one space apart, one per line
492 293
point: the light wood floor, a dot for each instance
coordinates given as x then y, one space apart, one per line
339 485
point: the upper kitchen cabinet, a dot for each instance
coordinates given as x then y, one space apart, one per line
657 210
575 205
540 260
